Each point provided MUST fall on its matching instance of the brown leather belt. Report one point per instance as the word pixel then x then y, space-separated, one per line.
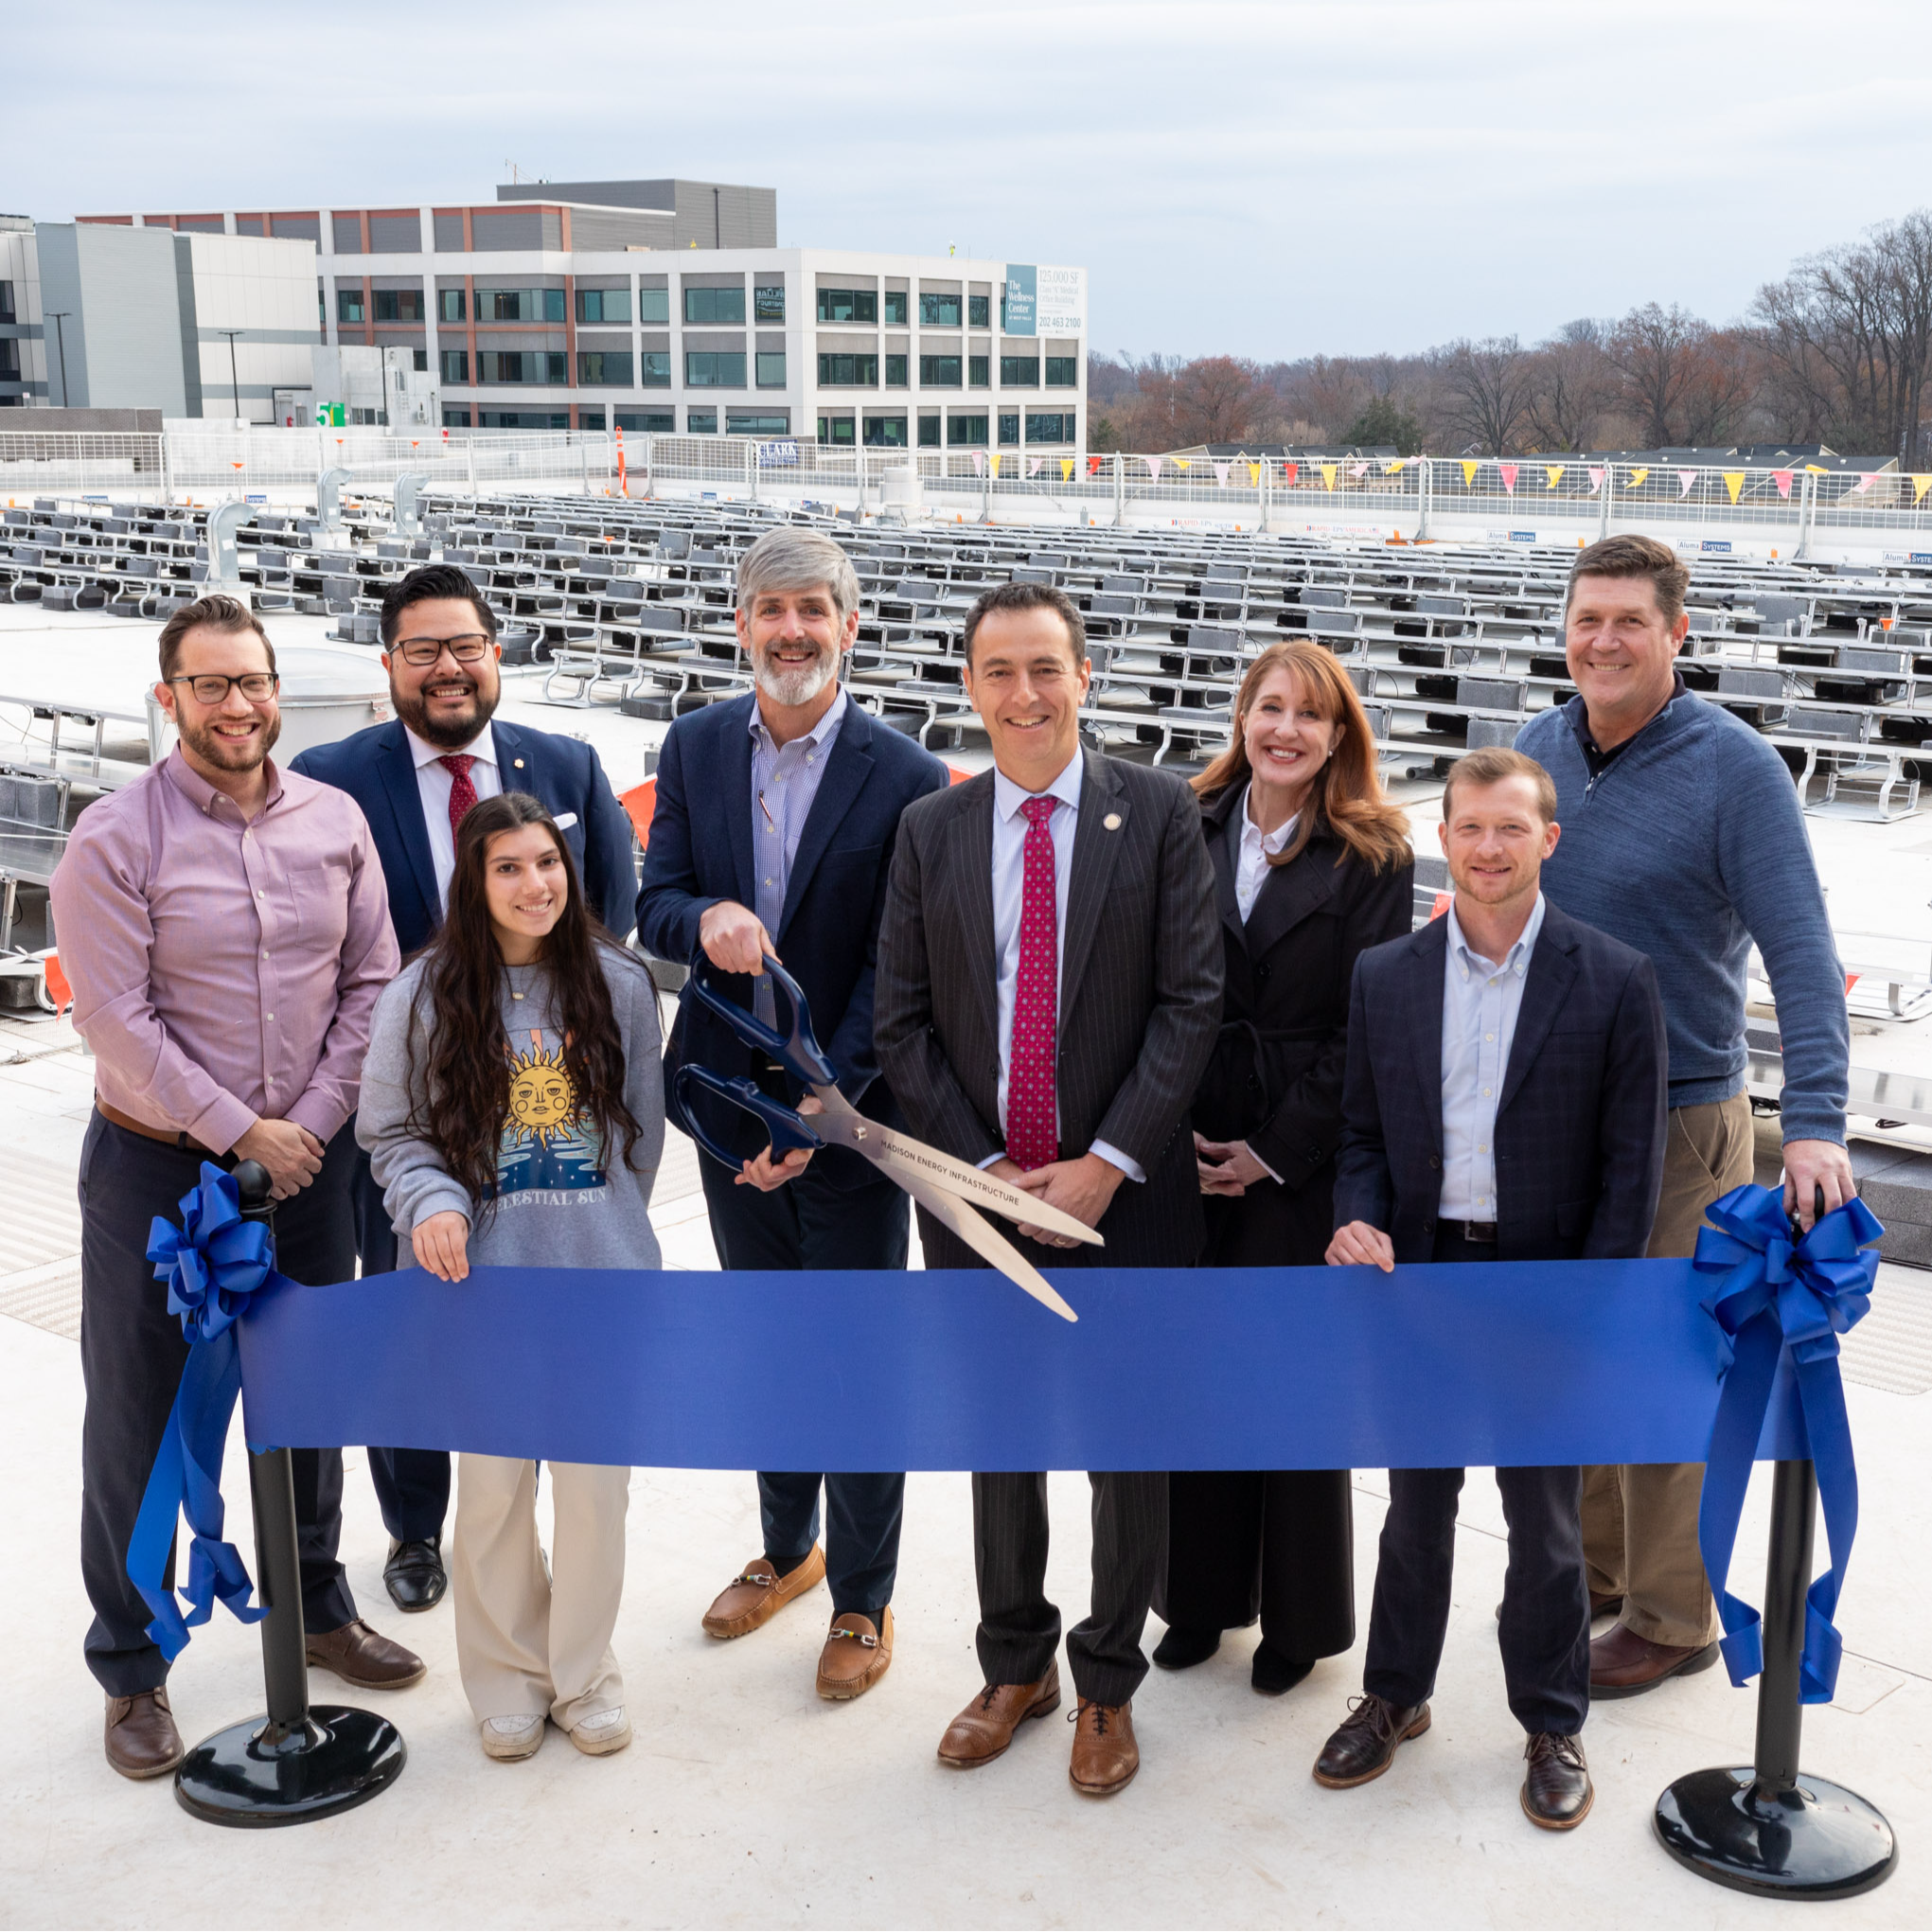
pixel 184 1142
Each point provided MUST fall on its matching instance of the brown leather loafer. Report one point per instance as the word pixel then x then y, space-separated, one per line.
pixel 757 1593
pixel 142 1741
pixel 1558 1793
pixel 856 1654
pixel 1363 1745
pixel 1624 1664
pixel 983 1729
pixel 358 1656
pixel 1105 1754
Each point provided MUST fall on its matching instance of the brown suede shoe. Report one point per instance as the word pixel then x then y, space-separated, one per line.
pixel 358 1656
pixel 983 1729
pixel 856 1654
pixel 757 1593
pixel 1105 1754
pixel 142 1741
pixel 1558 1793
pixel 1363 1745
pixel 1624 1664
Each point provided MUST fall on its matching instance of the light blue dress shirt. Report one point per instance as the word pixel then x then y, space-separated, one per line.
pixel 1480 1001
pixel 785 780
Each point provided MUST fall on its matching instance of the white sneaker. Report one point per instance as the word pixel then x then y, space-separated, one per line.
pixel 601 1732
pixel 507 1738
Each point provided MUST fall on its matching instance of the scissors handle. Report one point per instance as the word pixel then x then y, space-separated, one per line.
pixel 788 1132
pixel 799 1053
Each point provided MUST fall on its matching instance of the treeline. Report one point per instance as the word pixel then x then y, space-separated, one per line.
pixel 1837 353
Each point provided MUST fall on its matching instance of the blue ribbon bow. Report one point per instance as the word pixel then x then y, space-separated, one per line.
pixel 213 1264
pixel 1778 1294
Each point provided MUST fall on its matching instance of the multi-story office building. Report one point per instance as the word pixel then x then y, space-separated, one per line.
pixel 666 306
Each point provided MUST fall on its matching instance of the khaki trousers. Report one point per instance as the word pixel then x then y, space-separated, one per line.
pixel 1639 1522
pixel 531 1643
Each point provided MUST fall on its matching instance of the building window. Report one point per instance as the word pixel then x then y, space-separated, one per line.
pixel 1009 430
pixel 895 372
pixel 555 367
pixel 653 305
pixel 848 305
pixel 928 433
pixel 770 368
pixel 977 368
pixel 603 305
pixel 363 417
pixel 768 302
pixel 1020 372
pixel 455 418
pixel 603 368
pixel 519 305
pixel 939 372
pixel 523 366
pixel 9 361
pixel 705 370
pixel 652 421
pixel 969 432
pixel 885 433
pixel 455 366
pixel 450 303
pixel 419 360
pixel 398 305
pixel 848 372
pixel 895 308
pixel 938 311
pixel 700 422
pixel 500 365
pixel 743 423
pixel 524 418
pixel 655 372
pixel 1051 428
pixel 7 313
pixel 836 431
pixel 977 312
pixel 714 304
pixel 1063 372
pixel 348 305
pixel 322 310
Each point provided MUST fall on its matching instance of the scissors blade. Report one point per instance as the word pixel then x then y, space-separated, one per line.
pixel 907 1160
pixel 988 1243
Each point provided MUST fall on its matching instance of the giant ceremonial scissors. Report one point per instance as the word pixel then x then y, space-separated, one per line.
pixel 944 1186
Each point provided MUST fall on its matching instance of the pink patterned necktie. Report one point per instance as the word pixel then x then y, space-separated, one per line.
pixel 462 793
pixel 1032 1134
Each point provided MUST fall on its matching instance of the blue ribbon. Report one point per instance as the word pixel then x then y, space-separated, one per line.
pixel 1779 1297
pixel 213 1264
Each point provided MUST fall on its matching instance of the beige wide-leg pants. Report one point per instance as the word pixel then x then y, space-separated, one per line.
pixel 1639 1522
pixel 528 1645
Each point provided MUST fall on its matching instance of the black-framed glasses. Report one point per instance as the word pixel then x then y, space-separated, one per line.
pixel 423 652
pixel 210 688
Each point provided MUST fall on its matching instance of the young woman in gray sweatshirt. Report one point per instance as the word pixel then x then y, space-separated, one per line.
pixel 512 1103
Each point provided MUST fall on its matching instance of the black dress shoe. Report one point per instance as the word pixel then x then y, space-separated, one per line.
pixel 1363 1747
pixel 415 1576
pixel 1180 1648
pixel 1558 1793
pixel 1272 1672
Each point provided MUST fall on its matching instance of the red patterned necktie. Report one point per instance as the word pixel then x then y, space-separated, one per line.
pixel 462 793
pixel 1032 1134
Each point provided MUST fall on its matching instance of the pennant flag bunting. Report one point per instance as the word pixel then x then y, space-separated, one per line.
pixel 1783 479
pixel 1920 486
pixel 1067 469
pixel 1469 471
pixel 1596 478
pixel 1221 470
pixel 1153 464
pixel 1093 464
pixel 1553 475
pixel 1638 478
pixel 1733 481
pixel 979 464
pixel 1395 466
pixel 1033 464
pixel 1254 475
pixel 1328 470
pixel 994 461
pixel 1183 462
pixel 1357 471
pixel 1863 484
pixel 1686 482
pixel 1508 472
pixel 1290 471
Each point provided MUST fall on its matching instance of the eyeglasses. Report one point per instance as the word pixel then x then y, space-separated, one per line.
pixel 210 689
pixel 423 652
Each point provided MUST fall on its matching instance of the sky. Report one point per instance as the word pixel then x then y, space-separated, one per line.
pixel 1263 179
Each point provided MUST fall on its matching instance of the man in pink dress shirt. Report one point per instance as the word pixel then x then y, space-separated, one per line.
pixel 224 928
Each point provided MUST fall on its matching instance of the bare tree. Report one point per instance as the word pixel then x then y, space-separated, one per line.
pixel 1574 386
pixel 1653 349
pixel 1487 388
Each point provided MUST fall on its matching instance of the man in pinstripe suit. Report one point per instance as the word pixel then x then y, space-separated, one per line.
pixel 1048 991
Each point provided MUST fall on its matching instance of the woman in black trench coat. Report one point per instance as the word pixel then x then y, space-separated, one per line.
pixel 1313 865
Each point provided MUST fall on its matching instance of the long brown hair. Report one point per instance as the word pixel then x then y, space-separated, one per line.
pixel 466 1092
pixel 1347 794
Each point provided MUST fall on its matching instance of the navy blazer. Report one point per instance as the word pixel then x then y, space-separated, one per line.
pixel 376 768
pixel 699 852
pixel 1579 1129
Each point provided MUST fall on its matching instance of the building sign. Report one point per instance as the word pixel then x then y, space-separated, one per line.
pixel 777 455
pixel 1017 299
pixel 1061 306
pixel 1717 546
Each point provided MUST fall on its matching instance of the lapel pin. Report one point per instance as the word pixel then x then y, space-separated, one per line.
pixel 1111 822
pixel 518 763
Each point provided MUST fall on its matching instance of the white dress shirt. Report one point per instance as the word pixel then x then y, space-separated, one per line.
pixel 785 781
pixel 1009 880
pixel 433 784
pixel 1256 848
pixel 1482 998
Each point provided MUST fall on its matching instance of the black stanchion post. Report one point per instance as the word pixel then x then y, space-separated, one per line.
pixel 294 1764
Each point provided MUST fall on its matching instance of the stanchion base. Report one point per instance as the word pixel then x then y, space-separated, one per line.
pixel 1820 1841
pixel 250 1775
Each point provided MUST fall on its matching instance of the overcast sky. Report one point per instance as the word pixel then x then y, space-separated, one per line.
pixel 1266 180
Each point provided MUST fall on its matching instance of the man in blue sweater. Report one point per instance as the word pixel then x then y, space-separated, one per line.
pixel 1683 837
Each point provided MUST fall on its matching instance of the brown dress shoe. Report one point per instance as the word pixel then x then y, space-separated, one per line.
pixel 856 1654
pixel 1363 1746
pixel 1105 1754
pixel 757 1593
pixel 1558 1793
pixel 983 1729
pixel 358 1656
pixel 1624 1664
pixel 142 1741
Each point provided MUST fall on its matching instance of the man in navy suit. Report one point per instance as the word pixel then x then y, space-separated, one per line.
pixel 772 835
pixel 1504 1100
pixel 415 778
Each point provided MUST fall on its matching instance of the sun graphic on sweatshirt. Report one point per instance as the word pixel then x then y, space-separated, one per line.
pixel 542 1098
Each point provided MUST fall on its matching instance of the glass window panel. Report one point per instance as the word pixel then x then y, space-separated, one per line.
pixel 653 305
pixel 700 422
pixel 741 423
pixel 603 305
pixel 1009 428
pixel 928 433
pixel 837 431
pixel 348 305
pixel 656 421
pixel 1049 428
pixel 939 372
pixel 553 305
pixel 714 304
pixel 656 370
pixel 455 364
pixel 1063 372
pixel 555 365
pixel 967 432
pixel 938 311
pixel 450 303
pixel 978 376
pixel 895 372
pixel 705 370
pixel 1020 372
pixel 421 361
pixel 604 366
pixel 848 372
pixel 770 368
pixel 455 418
pixel 768 302
pixel 895 308
pixel 977 312
pixel 885 433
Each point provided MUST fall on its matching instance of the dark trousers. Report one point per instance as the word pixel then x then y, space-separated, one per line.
pixel 809 1224
pixel 411 1486
pixel 1545 1631
pixel 131 1355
